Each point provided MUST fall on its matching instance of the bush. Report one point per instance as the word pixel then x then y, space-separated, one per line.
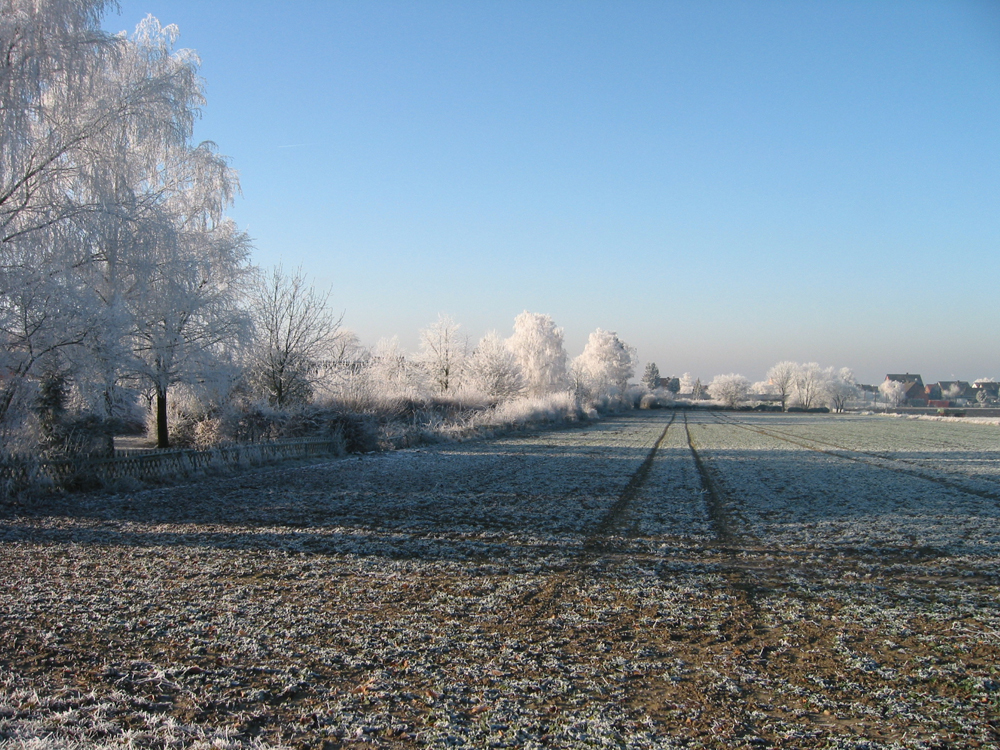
pixel 650 401
pixel 261 423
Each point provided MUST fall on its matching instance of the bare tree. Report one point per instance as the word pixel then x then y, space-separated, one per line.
pixel 730 389
pixel 811 384
pixel 189 312
pixel 841 389
pixel 782 379
pixel 443 353
pixel 839 393
pixel 295 332
pixel 493 369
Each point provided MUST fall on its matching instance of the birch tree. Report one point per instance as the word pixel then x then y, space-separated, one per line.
pixel 538 346
pixel 605 365
pixel 104 206
pixel 782 379
pixel 494 369
pixel 442 354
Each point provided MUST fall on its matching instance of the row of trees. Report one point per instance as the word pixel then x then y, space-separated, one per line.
pixel 793 384
pixel 117 262
pixel 808 385
pixel 123 281
pixel 532 362
pixel 121 276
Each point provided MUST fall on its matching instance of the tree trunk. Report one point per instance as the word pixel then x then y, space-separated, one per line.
pixel 109 435
pixel 162 437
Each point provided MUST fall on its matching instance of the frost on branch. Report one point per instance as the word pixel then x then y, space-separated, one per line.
pixel 116 257
pixel 651 376
pixel 538 346
pixel 604 367
pixel 295 335
pixel 442 354
pixel 493 369
pixel 730 389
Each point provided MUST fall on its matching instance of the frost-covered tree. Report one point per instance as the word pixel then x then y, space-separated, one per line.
pixel 839 392
pixel 102 197
pixel 605 365
pixel 442 354
pixel 189 313
pixel 294 332
pixel 388 371
pixel 893 391
pixel 697 390
pixel 538 346
pixel 810 384
pixel 651 376
pixel 730 389
pixel 53 62
pixel 493 369
pixel 782 379
pixel 50 54
pixel 686 383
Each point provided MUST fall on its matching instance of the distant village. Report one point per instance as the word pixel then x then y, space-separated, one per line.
pixel 944 394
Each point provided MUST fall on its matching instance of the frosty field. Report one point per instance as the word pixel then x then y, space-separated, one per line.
pixel 654 580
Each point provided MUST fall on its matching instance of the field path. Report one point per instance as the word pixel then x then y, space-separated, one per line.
pixel 658 579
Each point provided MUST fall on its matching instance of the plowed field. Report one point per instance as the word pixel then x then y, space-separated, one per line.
pixel 655 580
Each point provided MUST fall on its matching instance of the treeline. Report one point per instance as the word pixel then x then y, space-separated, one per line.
pixel 128 300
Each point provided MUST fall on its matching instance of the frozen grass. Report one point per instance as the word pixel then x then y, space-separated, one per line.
pixel 556 408
pixel 566 588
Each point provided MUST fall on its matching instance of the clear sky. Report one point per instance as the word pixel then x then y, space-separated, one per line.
pixel 725 184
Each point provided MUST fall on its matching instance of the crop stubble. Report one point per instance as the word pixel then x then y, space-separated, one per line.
pixel 703 580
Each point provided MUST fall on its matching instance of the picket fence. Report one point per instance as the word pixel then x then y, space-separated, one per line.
pixel 145 465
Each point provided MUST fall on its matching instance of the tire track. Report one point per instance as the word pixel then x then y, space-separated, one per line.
pixel 862 457
pixel 594 546
pixel 631 491
pixel 716 504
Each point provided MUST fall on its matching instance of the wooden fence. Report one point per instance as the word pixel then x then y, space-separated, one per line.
pixel 21 472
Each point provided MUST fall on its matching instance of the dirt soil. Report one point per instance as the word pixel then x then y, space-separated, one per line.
pixel 600 587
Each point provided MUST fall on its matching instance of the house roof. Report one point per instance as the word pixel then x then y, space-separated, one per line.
pixel 963 385
pixel 905 378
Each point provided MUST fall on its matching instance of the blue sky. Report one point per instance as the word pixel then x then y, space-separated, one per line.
pixel 725 184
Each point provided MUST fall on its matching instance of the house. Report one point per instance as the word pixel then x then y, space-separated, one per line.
pixel 953 390
pixel 914 393
pixel 671 384
pixel 906 378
